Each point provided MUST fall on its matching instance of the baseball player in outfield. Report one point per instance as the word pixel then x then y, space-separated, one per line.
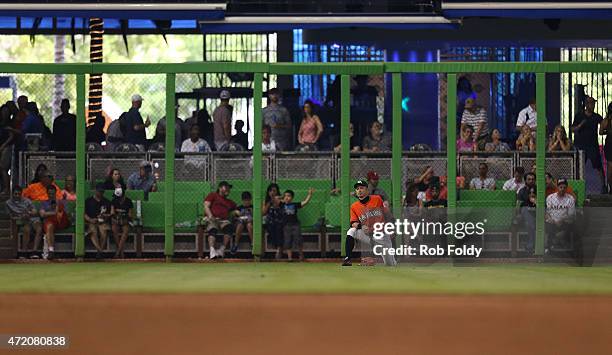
pixel 364 214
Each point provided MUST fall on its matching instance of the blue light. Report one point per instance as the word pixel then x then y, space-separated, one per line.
pixel 405 102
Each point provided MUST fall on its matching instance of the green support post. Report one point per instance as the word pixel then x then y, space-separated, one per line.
pixel 79 249
pixel 451 141
pixel 169 166
pixel 257 167
pixel 345 156
pixel 540 162
pixel 396 157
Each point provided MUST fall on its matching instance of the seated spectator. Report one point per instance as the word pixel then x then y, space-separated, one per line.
pixel 114 180
pixel 412 205
pixel 25 215
pixel 373 188
pixel 311 127
pixel 40 172
pixel 377 140
pixel 240 137
pixel 95 132
pixel 55 218
pixel 267 144
pixel 292 236
pixel 559 142
pixel 516 183
pixel 218 210
pixel 244 221
pixel 39 191
pixel 195 144
pixel 143 179
pixel 560 213
pixel 482 182
pixel 69 192
pixel 525 141
pixel 97 212
pixel 122 212
pixel 424 181
pixel 465 143
pixel 443 190
pixel 496 145
pixel 64 129
pixel 436 201
pixel 526 200
pixel 551 186
pixel 354 143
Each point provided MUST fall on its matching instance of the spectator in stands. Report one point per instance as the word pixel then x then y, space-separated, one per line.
pixel 114 133
pixel 143 179
pixel 69 192
pixel 195 144
pixel 38 191
pixel 160 130
pixel 268 145
pixel 274 223
pixel 122 212
pixel 277 117
pixel 55 218
pixel 240 137
pixel 222 120
pixel 25 215
pixel 517 182
pixel 496 144
pixel 354 142
pixel 135 132
pixel 559 141
pixel 114 180
pixel 436 201
pixel 585 137
pixel 377 140
pixel 7 139
pixel 292 236
pixel 412 204
pixel 204 121
pixel 373 188
pixel 33 125
pixel 97 213
pixel 64 129
pixel 442 187
pixel 526 200
pixel 466 143
pixel 606 129
pixel 424 181
pixel 528 117
pixel 311 127
pixel 551 186
pixel 244 221
pixel 482 182
pixel 560 213
pixel 40 172
pixel 20 116
pixel 476 117
pixel 95 132
pixel 526 141
pixel 218 210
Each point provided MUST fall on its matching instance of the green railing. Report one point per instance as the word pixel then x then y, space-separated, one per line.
pixel 345 70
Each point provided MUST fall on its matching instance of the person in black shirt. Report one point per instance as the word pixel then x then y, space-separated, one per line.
pixel 585 137
pixel 114 180
pixel 426 179
pixel 122 210
pixel 245 219
pixel 436 201
pixel 291 231
pixel 240 137
pixel 97 213
pixel 64 129
pixel 526 200
pixel 135 126
pixel 95 132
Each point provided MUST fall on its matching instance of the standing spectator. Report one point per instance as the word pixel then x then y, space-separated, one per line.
pixel 122 212
pixel 466 143
pixel 377 140
pixel 95 132
pixel 32 125
pixel 7 139
pixel 134 126
pixel 277 117
pixel 373 188
pixel 292 236
pixel 585 137
pixel 482 182
pixel 559 142
pixel 55 218
pixel 64 129
pixel 354 142
pixel 160 130
pixel 516 183
pixel 476 117
pixel 526 142
pixel 311 127
pixel 218 209
pixel 97 212
pixel 240 137
pixel 195 144
pixel 496 145
pixel 244 221
pixel 114 133
pixel 606 129
pixel 526 200
pixel 38 191
pixel 25 215
pixel 560 211
pixel 69 191
pixel 114 180
pixel 143 179
pixel 274 223
pixel 528 117
pixel 20 116
pixel 222 121
pixel 268 145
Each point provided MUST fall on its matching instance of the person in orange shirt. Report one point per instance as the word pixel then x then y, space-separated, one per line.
pixel 551 186
pixel 38 191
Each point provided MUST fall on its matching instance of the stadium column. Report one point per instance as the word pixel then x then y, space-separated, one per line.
pixel 396 158
pixel 451 141
pixel 257 166
pixel 79 248
pixel 169 166
pixel 345 155
pixel 540 162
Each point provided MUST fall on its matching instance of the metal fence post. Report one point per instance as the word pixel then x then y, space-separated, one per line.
pixel 169 167
pixel 79 249
pixel 540 162
pixel 451 140
pixel 396 157
pixel 345 112
pixel 257 167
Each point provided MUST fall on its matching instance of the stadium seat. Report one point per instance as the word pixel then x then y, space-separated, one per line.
pixel 152 216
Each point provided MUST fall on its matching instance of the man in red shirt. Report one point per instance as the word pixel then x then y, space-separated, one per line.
pixel 218 211
pixel 365 213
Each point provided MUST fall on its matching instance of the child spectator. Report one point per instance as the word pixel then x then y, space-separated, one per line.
pixel 122 212
pixel 291 231
pixel 25 215
pixel 274 223
pixel 69 193
pixel 53 212
pixel 245 220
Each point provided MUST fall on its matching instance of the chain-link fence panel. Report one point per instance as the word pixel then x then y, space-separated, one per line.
pixel 187 166
pixel 101 165
pixel 362 164
pixel 414 165
pixel 558 166
pixel 304 165
pixel 500 165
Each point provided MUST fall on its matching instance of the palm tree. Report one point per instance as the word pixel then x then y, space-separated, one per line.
pixel 96 35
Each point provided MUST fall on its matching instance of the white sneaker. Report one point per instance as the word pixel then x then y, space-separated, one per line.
pixel 213 253
pixel 221 252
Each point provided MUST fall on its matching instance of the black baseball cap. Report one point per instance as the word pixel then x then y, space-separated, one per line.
pixel 225 183
pixel 100 187
pixel 562 181
pixel 360 182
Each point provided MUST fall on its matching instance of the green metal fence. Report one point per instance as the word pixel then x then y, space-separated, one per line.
pixel 345 70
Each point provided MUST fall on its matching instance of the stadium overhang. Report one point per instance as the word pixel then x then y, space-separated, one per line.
pixel 528 9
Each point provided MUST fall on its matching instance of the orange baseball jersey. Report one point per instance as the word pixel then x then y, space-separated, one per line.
pixel 369 212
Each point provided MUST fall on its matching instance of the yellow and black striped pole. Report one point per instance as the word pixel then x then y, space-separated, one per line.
pixel 96 34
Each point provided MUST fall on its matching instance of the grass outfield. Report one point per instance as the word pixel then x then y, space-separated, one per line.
pixel 301 278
